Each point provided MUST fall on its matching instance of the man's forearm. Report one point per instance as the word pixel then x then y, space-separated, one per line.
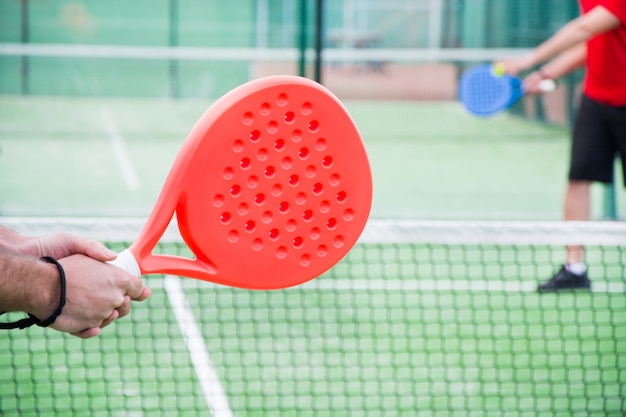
pixel 574 33
pixel 27 284
pixel 566 62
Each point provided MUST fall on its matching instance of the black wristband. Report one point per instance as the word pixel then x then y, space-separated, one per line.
pixel 27 322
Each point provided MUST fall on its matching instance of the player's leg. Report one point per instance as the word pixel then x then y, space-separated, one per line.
pixel 577 207
pixel 592 156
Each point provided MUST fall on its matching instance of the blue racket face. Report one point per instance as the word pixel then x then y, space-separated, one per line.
pixel 484 94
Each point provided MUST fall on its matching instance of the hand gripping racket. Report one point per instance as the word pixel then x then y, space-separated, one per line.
pixel 484 93
pixel 271 188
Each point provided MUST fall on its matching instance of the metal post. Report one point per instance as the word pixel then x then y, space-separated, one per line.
pixel 25 86
pixel 610 201
pixel 319 39
pixel 302 40
pixel 173 42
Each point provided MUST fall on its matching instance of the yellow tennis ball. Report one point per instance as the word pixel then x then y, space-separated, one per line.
pixel 499 69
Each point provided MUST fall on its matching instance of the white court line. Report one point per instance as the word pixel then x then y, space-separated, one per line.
pixel 207 375
pixel 420 285
pixel 121 154
pixel 447 285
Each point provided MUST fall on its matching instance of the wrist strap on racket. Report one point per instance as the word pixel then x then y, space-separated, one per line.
pixel 31 320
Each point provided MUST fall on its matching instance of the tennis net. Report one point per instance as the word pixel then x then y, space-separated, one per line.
pixel 422 318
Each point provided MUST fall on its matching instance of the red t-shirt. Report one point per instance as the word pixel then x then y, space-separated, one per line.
pixel 605 79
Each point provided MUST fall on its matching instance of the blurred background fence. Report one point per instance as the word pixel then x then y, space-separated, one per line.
pixel 382 49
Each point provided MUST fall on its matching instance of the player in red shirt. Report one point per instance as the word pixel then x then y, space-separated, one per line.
pixel 597 40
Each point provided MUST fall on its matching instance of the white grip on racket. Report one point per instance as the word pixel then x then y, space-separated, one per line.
pixel 127 262
pixel 547 85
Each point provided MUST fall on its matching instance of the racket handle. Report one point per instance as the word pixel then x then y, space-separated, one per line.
pixel 547 85
pixel 127 262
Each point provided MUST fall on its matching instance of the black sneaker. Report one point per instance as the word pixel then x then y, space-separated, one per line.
pixel 566 280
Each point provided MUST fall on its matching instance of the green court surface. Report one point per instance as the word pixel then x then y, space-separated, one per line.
pixel 330 351
pixel 369 338
pixel 109 157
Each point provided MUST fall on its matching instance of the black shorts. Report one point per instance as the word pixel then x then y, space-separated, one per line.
pixel 599 137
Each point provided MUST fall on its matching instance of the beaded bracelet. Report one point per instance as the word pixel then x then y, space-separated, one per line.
pixel 27 322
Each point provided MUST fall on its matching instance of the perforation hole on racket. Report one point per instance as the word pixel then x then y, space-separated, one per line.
pixel 484 93
pixel 271 188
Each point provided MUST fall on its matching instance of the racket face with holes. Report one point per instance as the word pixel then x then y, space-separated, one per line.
pixel 273 187
pixel 484 94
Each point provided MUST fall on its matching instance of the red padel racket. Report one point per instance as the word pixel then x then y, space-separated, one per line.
pixel 271 188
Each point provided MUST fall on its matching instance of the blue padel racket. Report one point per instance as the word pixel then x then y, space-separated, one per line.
pixel 483 93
